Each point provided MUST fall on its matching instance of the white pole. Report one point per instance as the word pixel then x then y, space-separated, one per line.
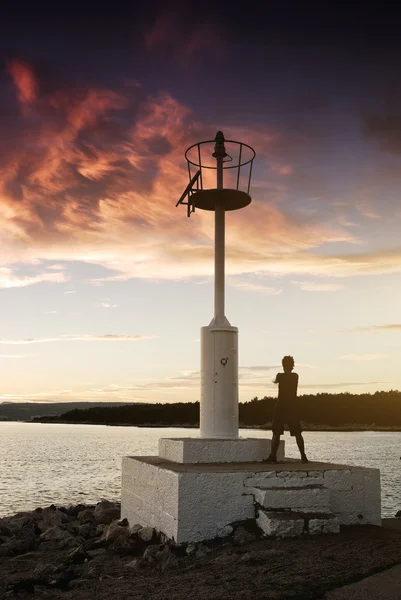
pixel 219 251
pixel 219 341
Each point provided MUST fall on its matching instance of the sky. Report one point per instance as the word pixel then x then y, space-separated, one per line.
pixel 105 284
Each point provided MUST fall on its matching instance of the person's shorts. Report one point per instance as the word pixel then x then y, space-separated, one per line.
pixel 281 418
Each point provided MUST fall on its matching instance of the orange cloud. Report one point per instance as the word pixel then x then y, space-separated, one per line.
pixel 24 80
pixel 94 177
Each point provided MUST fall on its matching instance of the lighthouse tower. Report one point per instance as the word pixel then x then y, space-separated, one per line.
pixel 226 174
pixel 194 489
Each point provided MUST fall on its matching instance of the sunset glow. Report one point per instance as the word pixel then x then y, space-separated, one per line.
pixel 93 251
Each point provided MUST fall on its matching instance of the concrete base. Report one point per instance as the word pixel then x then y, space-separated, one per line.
pixel 201 450
pixel 195 502
pixel 308 498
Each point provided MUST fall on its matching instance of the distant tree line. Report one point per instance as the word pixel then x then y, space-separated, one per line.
pixel 331 410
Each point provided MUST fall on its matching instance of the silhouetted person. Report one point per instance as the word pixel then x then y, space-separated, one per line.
pixel 286 410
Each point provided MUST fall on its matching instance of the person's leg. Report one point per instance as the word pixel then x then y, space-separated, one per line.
pixel 274 447
pixel 301 446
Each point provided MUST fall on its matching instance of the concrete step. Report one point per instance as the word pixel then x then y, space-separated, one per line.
pixel 310 498
pixel 293 524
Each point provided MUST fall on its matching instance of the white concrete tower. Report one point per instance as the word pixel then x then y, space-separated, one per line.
pixel 219 339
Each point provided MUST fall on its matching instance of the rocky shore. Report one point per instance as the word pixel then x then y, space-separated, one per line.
pixel 87 552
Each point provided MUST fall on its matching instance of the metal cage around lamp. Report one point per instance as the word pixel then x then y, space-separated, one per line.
pixel 206 188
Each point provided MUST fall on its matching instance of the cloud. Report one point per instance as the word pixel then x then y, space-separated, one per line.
pixel 9 278
pixel 172 35
pixel 37 396
pixel 13 355
pixel 392 326
pixel 70 292
pixel 25 81
pixel 106 305
pixel 362 356
pixel 81 338
pixel 367 211
pixel 90 173
pixel 385 129
pixel 249 286
pixel 313 286
pixel 386 327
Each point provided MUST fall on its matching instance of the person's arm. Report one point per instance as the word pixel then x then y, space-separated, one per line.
pixel 277 378
pixel 296 382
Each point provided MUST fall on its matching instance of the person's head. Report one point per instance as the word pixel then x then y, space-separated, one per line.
pixel 288 364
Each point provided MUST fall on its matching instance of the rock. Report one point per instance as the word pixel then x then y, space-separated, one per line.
pixel 123 523
pixel 259 557
pixel 58 539
pixel 53 533
pixel 20 522
pixel 146 534
pixel 73 511
pixel 243 536
pixel 167 559
pixel 43 573
pixel 106 512
pixel 136 564
pixel 25 542
pixel 52 517
pixel 113 531
pixel 23 557
pixel 77 556
pixel 94 571
pixel 191 549
pixel 86 516
pixel 123 545
pixel 135 528
pixel 5 550
pixel 152 553
pixel 160 555
pixel 5 530
pixel 71 542
pixel 62 577
pixel 21 585
pixel 98 552
pixel 201 550
pixel 95 544
pixel 77 583
pixel 398 514
pixel 86 531
pixel 100 529
pixel 225 559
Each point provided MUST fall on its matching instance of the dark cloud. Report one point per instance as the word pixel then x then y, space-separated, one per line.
pixel 386 130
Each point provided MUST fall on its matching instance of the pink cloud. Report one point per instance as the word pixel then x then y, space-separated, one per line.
pixel 95 174
pixel 24 80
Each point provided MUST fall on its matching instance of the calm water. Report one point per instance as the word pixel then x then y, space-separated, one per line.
pixel 41 464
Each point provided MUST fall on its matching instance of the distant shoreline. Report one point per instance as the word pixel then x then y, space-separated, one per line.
pixel 306 427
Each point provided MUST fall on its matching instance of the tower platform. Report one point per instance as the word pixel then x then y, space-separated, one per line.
pixel 195 501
